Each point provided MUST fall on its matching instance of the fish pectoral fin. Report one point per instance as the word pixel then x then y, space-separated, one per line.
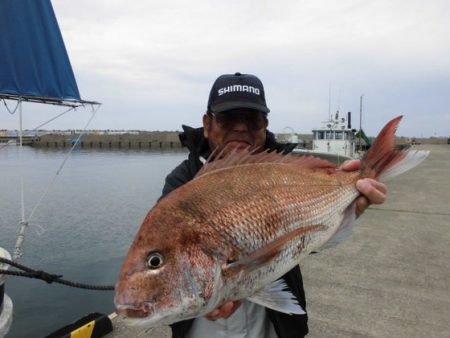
pixel 264 254
pixel 276 297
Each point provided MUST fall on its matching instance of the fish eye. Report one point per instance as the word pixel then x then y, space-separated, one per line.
pixel 155 260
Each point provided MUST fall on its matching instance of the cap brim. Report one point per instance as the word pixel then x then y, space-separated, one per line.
pixel 221 107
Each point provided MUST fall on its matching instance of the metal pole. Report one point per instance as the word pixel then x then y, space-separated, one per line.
pixel 360 121
pixel 329 102
pixel 22 197
pixel 23 224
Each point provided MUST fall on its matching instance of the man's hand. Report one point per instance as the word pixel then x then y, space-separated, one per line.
pixel 224 311
pixel 373 192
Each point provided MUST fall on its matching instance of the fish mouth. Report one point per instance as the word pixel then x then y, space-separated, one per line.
pixel 138 310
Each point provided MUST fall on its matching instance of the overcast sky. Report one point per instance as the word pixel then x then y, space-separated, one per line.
pixel 152 63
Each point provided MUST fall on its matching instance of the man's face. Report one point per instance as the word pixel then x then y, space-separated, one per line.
pixel 238 128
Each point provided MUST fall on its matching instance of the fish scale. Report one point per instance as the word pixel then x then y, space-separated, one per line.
pixel 292 252
pixel 240 220
pixel 244 226
pixel 245 220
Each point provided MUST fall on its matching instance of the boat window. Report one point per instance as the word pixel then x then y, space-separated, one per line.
pixel 328 135
pixel 339 135
pixel 318 135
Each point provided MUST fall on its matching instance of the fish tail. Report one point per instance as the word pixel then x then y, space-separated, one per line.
pixel 383 161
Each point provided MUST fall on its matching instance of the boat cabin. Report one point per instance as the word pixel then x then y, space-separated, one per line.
pixel 336 137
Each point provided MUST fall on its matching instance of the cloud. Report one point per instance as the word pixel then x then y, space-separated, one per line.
pixel 147 60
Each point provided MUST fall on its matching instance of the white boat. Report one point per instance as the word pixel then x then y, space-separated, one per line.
pixel 335 141
pixel 335 137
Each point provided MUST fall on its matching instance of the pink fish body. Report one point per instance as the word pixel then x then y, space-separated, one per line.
pixel 239 225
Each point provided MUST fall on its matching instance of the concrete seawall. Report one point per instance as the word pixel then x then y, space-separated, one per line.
pixel 154 140
pixel 144 140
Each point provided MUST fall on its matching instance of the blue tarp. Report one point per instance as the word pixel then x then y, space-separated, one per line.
pixel 33 58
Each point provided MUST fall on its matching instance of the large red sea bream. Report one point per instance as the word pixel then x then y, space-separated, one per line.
pixel 239 225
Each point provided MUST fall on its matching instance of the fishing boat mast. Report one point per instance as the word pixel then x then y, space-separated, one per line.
pixel 360 122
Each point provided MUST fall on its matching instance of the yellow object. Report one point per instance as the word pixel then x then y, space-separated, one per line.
pixel 84 331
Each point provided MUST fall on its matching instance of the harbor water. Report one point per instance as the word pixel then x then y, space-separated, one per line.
pixel 82 228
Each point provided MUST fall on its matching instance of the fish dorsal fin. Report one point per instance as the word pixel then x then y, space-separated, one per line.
pixel 228 158
pixel 277 296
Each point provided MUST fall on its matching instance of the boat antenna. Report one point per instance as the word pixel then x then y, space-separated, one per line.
pixel 329 101
pixel 339 101
pixel 360 119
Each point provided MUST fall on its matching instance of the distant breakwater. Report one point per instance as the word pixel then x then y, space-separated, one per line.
pixel 159 139
pixel 142 140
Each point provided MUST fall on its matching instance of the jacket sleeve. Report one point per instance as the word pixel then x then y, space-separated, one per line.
pixel 176 178
pixel 181 174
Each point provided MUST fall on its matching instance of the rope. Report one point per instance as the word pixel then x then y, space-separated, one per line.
pixel 49 278
pixel 61 166
pixel 54 118
pixel 12 112
pixel 42 124
pixel 4 145
pixel 18 252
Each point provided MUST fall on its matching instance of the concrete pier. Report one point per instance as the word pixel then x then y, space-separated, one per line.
pixel 142 140
pixel 392 277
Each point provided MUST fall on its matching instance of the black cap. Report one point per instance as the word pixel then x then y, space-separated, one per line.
pixel 233 91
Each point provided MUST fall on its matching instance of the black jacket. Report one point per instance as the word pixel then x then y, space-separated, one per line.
pixel 286 326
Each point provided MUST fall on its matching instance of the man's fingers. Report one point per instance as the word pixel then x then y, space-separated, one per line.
pixel 373 190
pixel 351 165
pixel 229 308
pixel 213 315
pixel 224 311
pixel 361 205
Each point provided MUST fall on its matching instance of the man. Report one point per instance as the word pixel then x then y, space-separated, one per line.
pixel 236 117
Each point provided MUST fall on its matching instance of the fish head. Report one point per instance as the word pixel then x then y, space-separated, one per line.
pixel 165 278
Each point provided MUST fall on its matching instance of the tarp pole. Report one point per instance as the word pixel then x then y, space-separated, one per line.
pixel 23 224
